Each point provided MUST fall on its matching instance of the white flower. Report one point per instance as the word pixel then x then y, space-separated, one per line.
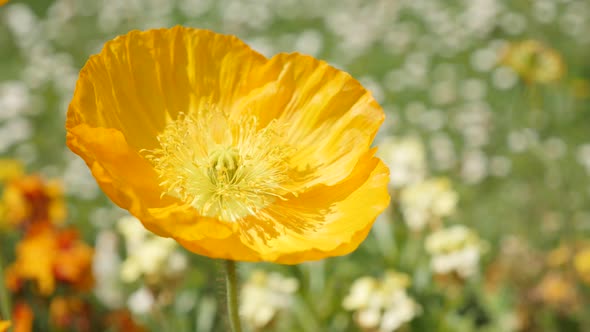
pixel 455 249
pixel 426 201
pixel 264 295
pixel 15 99
pixel 105 266
pixel 583 156
pixel 141 301
pixel 148 255
pixel 474 167
pixel 381 304
pixel 406 159
pixel 464 262
pixel 360 293
pixel 368 317
pixel 177 263
pixel 402 309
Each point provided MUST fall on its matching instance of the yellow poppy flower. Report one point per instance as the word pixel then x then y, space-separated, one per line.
pixel 70 313
pixel 233 155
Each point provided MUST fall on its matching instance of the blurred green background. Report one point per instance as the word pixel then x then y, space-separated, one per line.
pixel 488 126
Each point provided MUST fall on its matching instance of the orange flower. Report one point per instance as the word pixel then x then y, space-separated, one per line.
pixel 233 155
pixel 70 313
pixel 30 199
pixel 557 290
pixel 47 256
pixel 3 2
pixel 22 317
pixel 122 321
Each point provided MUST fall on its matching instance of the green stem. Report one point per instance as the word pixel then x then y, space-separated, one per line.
pixel 231 285
pixel 161 318
pixel 4 295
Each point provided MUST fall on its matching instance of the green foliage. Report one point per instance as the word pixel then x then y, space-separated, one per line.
pixel 515 151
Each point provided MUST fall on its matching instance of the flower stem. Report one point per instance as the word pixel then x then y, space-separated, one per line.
pixel 5 311
pixel 231 285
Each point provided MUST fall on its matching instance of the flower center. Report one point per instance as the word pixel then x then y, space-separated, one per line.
pixel 224 161
pixel 224 169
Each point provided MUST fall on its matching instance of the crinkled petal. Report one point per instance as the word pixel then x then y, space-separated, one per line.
pixel 124 176
pixel 142 80
pixel 344 214
pixel 131 182
pixel 347 211
pixel 127 94
pixel 328 117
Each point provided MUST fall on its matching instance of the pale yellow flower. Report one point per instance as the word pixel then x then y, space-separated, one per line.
pixel 406 158
pixel 582 264
pixel 428 201
pixel 534 61
pixel 456 249
pixel 149 256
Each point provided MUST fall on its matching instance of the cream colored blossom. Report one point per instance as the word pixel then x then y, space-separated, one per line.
pixel 264 295
pixel 427 201
pixel 141 301
pixel 105 268
pixel 406 158
pixel 148 255
pixel 381 305
pixel 456 249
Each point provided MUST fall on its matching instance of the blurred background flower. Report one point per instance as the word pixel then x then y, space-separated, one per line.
pixel 486 136
pixel 381 305
pixel 455 249
pixel 47 256
pixel 29 199
pixel 264 296
pixel 533 61
pixel 427 202
pixel 153 258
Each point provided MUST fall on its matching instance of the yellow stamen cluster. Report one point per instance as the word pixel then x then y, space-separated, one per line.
pixel 225 168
